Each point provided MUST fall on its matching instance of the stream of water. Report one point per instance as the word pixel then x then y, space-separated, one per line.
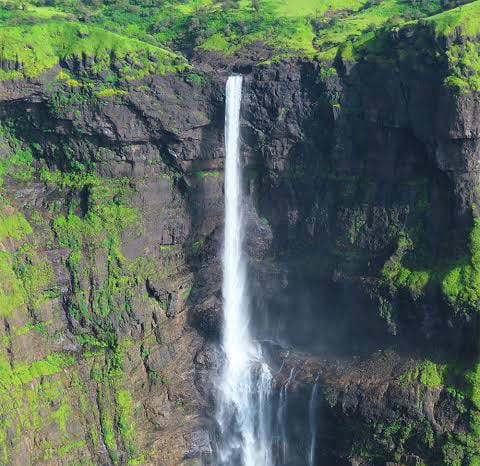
pixel 252 422
pixel 243 412
pixel 312 423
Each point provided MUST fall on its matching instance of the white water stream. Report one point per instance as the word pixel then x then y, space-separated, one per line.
pixel 245 383
pixel 282 416
pixel 246 415
pixel 312 423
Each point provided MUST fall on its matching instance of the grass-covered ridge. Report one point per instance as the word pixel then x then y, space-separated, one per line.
pixel 464 19
pixel 463 56
pixel 308 26
pixel 30 49
pixel 45 32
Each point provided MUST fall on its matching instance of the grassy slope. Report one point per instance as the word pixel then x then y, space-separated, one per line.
pixel 465 18
pixel 40 37
pixel 283 24
pixel 311 27
pixel 53 37
pixel 463 56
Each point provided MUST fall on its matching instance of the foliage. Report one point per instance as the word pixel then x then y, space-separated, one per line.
pixel 26 277
pixel 40 46
pixel 464 67
pixel 13 226
pixel 360 26
pixel 110 92
pixel 461 285
pixel 312 27
pixel 33 394
pixel 124 404
pixel 35 274
pixel 24 373
pixel 465 20
pixel 116 411
pixel 98 269
pixel 17 160
pixel 427 373
pixel 64 102
pixel 206 174
pixel 395 274
pixel 472 378
pixel 11 293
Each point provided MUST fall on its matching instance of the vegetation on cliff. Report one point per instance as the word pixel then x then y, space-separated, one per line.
pixel 85 217
pixel 136 36
pixel 42 389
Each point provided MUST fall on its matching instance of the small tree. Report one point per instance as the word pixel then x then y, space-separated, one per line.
pixel 256 5
pixel 229 4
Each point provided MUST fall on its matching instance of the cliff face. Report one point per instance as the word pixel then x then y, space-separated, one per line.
pixel 367 180
pixel 361 184
pixel 353 164
pixel 120 281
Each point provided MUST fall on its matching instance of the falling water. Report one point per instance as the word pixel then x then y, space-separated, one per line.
pixel 282 415
pixel 245 383
pixel 312 422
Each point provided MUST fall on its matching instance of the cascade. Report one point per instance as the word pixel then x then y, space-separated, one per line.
pixel 244 387
pixel 282 415
pixel 312 423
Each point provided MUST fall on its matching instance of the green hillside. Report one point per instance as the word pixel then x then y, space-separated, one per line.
pixel 37 34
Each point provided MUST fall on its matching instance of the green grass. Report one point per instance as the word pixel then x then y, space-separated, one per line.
pixel 109 92
pixel 17 159
pixel 427 373
pixel 94 242
pixel 397 275
pixel 18 165
pixel 13 225
pixel 360 26
pixel 25 277
pixel 464 19
pixel 24 373
pixel 35 274
pixel 34 394
pixel 43 45
pixel 124 407
pixel 11 292
pixel 12 296
pixel 461 285
pixel 207 174
pixel 463 56
pixel 147 31
pixel 298 27
pixel 314 7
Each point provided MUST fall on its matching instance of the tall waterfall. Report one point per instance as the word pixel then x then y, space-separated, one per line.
pixel 244 387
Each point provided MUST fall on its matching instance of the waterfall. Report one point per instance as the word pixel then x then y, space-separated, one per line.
pixel 313 424
pixel 282 415
pixel 244 388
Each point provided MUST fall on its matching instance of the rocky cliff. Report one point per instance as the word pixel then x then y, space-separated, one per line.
pixel 362 179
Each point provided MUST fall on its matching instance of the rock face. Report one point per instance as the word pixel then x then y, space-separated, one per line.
pixel 341 183
pixel 345 172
